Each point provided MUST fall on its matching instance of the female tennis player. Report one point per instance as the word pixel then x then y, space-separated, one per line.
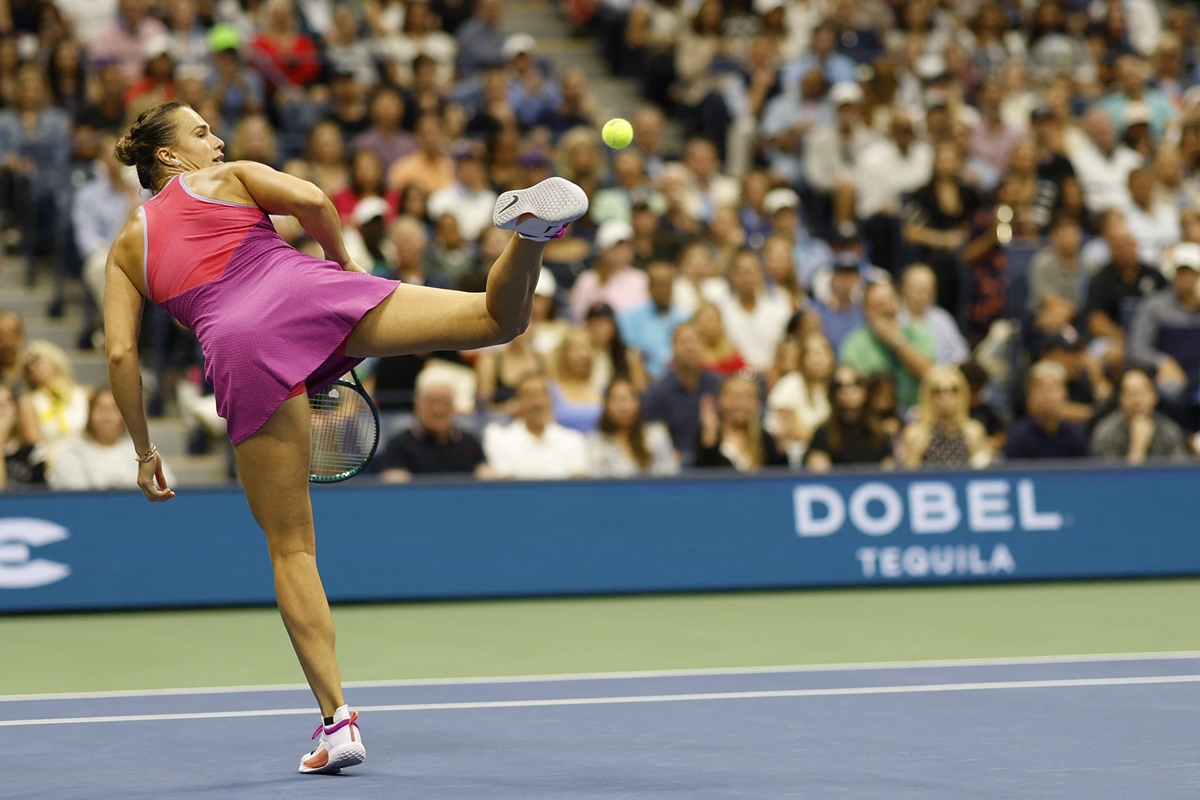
pixel 275 324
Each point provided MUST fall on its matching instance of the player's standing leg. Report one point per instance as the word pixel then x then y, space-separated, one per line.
pixel 273 465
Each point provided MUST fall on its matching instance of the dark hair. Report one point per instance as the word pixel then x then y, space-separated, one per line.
pixel 618 352
pixel 154 128
pixel 868 422
pixel 637 433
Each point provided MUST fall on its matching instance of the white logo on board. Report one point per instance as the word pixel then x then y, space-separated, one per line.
pixel 17 569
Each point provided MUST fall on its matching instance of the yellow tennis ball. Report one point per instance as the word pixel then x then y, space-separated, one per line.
pixel 617 133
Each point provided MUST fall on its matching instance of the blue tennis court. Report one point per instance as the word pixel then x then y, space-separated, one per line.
pixel 1077 727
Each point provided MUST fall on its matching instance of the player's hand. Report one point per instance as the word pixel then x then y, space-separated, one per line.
pixel 153 482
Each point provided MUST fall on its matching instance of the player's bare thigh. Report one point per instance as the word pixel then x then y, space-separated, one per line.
pixel 273 466
pixel 417 319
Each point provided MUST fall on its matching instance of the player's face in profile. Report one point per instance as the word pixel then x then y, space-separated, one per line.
pixel 196 146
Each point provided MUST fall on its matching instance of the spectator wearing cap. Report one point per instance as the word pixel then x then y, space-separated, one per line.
pixel 890 169
pixel 371 219
pixel 883 344
pixel 675 398
pixel 1114 293
pixel 534 446
pixel 1153 221
pixel 238 89
pixel 470 199
pixel 125 37
pixel 754 319
pixel 1056 279
pixel 833 151
pixel 1043 433
pixel 1165 335
pixel 787 120
pixel 612 278
pixel 649 327
pixel 1130 89
pixel 429 168
pixel 1102 163
pixel 385 136
pixel 918 291
pixel 433 444
pixel 480 40
pixel 846 249
pixel 1087 389
pixel 1135 431
pixel 530 91
pixel 781 207
pixel 840 311
pixel 823 57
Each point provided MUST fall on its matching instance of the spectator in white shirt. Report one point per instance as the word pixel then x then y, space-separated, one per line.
pixel 1102 163
pixel 1153 221
pixel 533 446
pixel 888 170
pixel 470 199
pixel 918 290
pixel 100 458
pixel 755 321
pixel 832 152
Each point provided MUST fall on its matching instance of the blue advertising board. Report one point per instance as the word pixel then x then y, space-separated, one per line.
pixel 463 540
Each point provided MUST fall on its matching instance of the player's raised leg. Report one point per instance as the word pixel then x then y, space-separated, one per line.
pixel 273 465
pixel 415 319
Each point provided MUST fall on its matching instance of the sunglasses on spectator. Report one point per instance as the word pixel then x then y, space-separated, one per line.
pixel 849 383
pixel 944 390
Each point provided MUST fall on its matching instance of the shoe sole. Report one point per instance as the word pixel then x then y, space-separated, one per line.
pixel 554 202
pixel 346 755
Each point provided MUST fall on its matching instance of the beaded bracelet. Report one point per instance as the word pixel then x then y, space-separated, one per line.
pixel 148 455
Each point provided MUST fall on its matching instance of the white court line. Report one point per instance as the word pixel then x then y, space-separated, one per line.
pixel 600 676
pixel 652 698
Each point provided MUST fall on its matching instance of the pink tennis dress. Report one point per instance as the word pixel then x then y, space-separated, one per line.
pixel 267 316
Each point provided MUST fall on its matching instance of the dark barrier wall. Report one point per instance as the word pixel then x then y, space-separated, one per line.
pixel 114 550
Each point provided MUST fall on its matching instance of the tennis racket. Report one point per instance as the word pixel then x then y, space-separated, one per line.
pixel 345 431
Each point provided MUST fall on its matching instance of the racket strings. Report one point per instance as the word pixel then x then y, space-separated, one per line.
pixel 344 433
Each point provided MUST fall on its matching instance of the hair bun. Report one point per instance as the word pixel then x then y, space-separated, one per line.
pixel 124 151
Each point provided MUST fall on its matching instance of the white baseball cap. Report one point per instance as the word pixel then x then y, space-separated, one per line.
pixel 368 209
pixel 611 233
pixel 778 199
pixel 519 43
pixel 845 92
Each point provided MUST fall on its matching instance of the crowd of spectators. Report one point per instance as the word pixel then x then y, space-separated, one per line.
pixel 893 233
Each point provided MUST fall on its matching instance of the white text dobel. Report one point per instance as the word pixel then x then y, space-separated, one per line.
pixel 925 507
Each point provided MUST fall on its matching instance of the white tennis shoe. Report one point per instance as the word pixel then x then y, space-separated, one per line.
pixel 541 212
pixel 340 745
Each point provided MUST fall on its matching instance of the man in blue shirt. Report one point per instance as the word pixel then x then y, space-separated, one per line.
pixel 1043 433
pixel 649 327
pixel 675 399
